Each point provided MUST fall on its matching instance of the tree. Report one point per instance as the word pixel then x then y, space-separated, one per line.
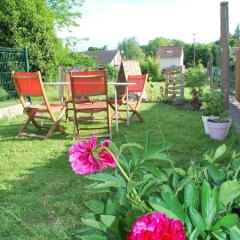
pixel 65 12
pixel 105 47
pixel 130 49
pixel 27 23
pixel 151 66
pixel 153 45
pixel 202 53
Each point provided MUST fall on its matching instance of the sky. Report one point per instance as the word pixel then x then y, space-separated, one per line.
pixel 107 22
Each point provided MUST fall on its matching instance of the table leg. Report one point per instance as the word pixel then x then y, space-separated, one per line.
pixel 116 110
pixel 127 109
pixel 61 92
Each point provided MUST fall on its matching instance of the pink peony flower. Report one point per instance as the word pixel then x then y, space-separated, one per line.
pixel 88 157
pixel 157 226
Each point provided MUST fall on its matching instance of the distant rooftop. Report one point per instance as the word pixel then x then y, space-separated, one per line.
pixel 170 52
pixel 104 56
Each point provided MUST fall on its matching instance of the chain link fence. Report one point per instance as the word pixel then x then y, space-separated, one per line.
pixel 11 59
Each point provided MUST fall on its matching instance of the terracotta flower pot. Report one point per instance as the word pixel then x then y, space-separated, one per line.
pixel 218 131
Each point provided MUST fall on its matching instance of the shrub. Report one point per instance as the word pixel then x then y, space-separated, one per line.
pixel 151 66
pixel 195 78
pixel 111 71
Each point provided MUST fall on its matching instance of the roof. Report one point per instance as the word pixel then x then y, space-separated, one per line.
pixel 104 56
pixel 170 52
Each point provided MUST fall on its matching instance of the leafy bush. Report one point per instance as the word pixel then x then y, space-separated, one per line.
pixel 212 104
pixel 111 71
pixel 151 66
pixel 202 197
pixel 195 78
pixel 3 94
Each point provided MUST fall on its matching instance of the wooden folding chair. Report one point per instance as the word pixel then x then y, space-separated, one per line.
pixel 138 89
pixel 90 84
pixel 29 84
pixel 68 100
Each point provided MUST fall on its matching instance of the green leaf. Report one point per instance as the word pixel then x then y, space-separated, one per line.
pixel 234 233
pixel 227 222
pixel 159 157
pixel 209 204
pixel 219 152
pixel 158 206
pixel 198 221
pixel 215 173
pixel 130 145
pixel 150 185
pixel 113 148
pixel 191 195
pixel 111 207
pixel 91 223
pixel 101 177
pixel 180 171
pixel 96 206
pixel 93 237
pixel 229 191
pixel 146 144
pixel 219 235
pixel 121 196
pixel 149 167
pixel 108 220
pixel 194 235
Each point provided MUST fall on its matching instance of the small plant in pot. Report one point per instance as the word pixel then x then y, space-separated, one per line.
pixel 219 126
pixel 212 106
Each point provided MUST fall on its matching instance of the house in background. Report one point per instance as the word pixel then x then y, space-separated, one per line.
pixel 111 57
pixel 170 56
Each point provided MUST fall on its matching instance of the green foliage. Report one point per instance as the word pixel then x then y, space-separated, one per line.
pixel 68 58
pixel 151 66
pixel 66 12
pixel 105 47
pixel 212 104
pixel 195 78
pixel 3 94
pixel 194 196
pixel 130 49
pixel 112 72
pixel 153 45
pixel 30 24
pixel 202 53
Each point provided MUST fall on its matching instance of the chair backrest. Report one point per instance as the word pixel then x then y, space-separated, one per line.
pixel 89 83
pixel 140 82
pixel 28 83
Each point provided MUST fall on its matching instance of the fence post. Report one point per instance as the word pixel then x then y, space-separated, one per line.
pixel 238 75
pixel 211 71
pixel 26 59
pixel 225 85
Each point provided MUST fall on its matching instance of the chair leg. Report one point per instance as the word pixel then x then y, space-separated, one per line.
pixel 135 112
pixel 24 127
pixel 52 129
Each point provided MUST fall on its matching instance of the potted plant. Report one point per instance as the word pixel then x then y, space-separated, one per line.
pixel 212 106
pixel 219 126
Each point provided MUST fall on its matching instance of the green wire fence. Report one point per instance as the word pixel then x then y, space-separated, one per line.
pixel 11 59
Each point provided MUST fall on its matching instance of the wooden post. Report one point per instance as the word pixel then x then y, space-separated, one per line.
pixel 211 71
pixel 238 75
pixel 225 85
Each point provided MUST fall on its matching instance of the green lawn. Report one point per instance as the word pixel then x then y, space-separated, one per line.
pixel 41 198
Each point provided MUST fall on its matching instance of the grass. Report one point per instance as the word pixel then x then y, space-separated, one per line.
pixel 41 198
